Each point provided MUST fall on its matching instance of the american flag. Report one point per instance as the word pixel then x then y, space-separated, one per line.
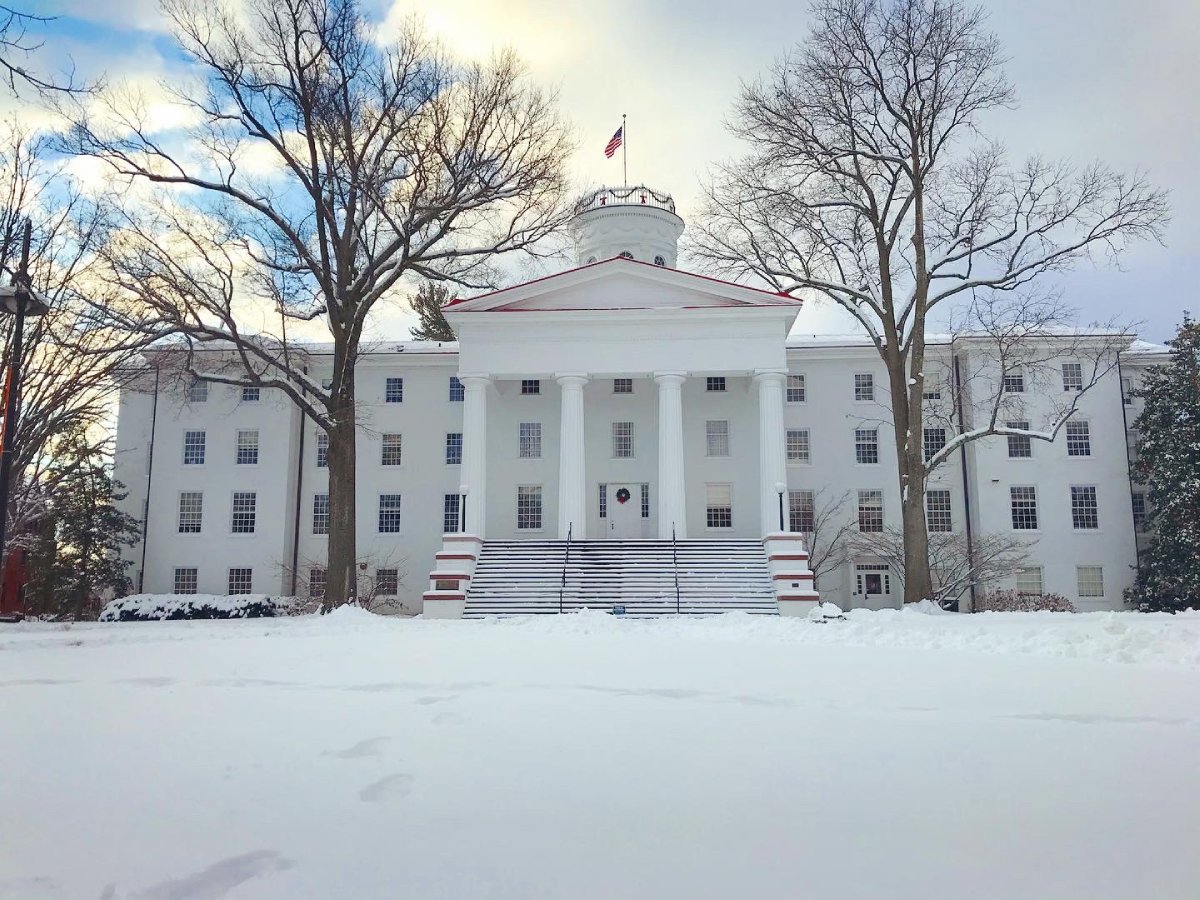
pixel 614 143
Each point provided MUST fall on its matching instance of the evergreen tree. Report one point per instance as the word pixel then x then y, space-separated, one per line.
pixel 427 304
pixel 1169 464
pixel 75 554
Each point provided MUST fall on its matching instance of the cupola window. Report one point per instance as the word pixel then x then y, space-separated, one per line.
pixel 659 261
pixel 625 254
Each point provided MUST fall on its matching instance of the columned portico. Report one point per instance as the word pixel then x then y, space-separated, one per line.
pixel 474 452
pixel 672 506
pixel 572 472
pixel 772 458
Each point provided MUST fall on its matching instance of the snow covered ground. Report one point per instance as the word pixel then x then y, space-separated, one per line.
pixel 350 756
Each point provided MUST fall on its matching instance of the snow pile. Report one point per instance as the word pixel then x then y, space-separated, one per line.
pixel 155 607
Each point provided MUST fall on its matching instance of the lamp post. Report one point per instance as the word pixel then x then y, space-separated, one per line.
pixel 780 488
pixel 462 508
pixel 18 300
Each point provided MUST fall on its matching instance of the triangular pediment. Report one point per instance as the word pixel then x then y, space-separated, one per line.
pixel 620 284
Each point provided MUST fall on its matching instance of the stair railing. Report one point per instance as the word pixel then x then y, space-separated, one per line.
pixel 562 584
pixel 675 568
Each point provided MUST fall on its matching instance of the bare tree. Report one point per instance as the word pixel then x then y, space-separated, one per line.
pixel 955 564
pixel 18 44
pixel 868 184
pixel 72 366
pixel 827 526
pixel 324 167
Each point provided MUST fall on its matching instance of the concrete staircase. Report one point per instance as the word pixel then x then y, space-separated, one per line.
pixel 640 577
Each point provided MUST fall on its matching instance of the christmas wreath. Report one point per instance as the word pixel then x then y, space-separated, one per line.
pixel 623 495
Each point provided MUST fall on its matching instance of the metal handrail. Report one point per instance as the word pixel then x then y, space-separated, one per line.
pixel 675 567
pixel 635 195
pixel 562 585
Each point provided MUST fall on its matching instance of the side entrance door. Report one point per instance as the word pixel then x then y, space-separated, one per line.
pixel 624 511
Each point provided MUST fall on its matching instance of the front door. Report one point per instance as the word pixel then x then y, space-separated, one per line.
pixel 624 519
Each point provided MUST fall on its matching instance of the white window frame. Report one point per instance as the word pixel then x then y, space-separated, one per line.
pixel 451 513
pixel 622 440
pixel 866 444
pixel 939 510
pixel 1019 442
pixel 930 449
pixel 870 507
pixel 191 512
pixel 251 393
pixel 458 393
pixel 1013 382
pixel 718 506
pixel 797 388
pixel 1028 501
pixel 387 581
pixel 391 449
pixel 244 576
pixel 1029 582
pixel 454 459
pixel 186 580
pixel 622 386
pixel 530 509
pixel 322 444
pixel 716 438
pixel 1093 587
pixel 248 501
pixel 393 389
pixel 531 387
pixel 1072 375
pixel 715 384
pixel 192 445
pixel 864 387
pixel 529 440
pixel 391 507
pixel 247 447
pixel 320 513
pixel 798 447
pixel 802 511
pixel 1085 507
pixel 1079 438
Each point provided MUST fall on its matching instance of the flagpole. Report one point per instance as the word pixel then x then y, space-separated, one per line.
pixel 624 150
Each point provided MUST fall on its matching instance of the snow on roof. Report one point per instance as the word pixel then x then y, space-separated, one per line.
pixel 1140 347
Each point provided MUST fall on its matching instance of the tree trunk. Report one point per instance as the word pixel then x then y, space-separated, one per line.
pixel 341 584
pixel 918 583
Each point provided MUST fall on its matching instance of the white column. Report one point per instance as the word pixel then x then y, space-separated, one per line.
pixel 672 508
pixel 572 473
pixel 474 452
pixel 772 455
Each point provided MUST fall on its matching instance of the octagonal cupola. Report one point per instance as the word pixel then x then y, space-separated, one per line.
pixel 636 222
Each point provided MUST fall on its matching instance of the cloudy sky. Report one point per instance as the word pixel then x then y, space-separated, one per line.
pixel 1097 79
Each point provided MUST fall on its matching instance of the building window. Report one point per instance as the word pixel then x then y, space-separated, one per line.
pixel 191 511
pixel 1079 439
pixel 393 391
pixel 451 513
pixel 389 513
pixel 247 448
pixel 186 580
pixel 622 385
pixel 1029 581
pixel 1127 391
pixel 245 512
pixel 531 386
pixel 251 394
pixel 937 511
pixel 622 436
pixel 529 507
pixel 933 440
pixel 798 446
pixel 1020 446
pixel 387 582
pixel 457 392
pixel 1085 511
pixel 454 448
pixel 1023 502
pixel 604 501
pixel 1072 377
pixel 241 581
pixel 715 383
pixel 316 582
pixel 801 512
pixel 320 518
pixel 625 254
pixel 1139 511
pixel 1090 580
pixel 197 391
pixel 660 261
pixel 866 445
pixel 391 450
pixel 931 390
pixel 645 501
pixel 530 440
pixel 797 391
pixel 864 387
pixel 870 510
pixel 322 450
pixel 193 448
pixel 1014 383
pixel 716 437
pixel 718 505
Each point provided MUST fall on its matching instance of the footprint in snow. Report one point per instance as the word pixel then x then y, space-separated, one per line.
pixel 393 787
pixel 369 747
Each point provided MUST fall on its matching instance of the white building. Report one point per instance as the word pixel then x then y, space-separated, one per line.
pixel 641 431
